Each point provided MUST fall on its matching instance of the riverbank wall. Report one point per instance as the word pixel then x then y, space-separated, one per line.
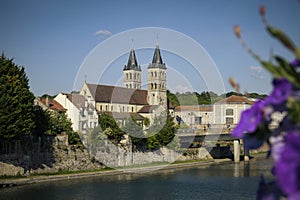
pixel 52 154
pixel 47 154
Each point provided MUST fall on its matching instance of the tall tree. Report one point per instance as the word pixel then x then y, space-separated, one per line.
pixel 16 101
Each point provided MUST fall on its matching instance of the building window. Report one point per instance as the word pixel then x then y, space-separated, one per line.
pixel 229 111
pixel 155 74
pixel 130 76
pixel 151 74
pixel 101 108
pixel 106 107
pixel 198 120
pixel 126 76
pixel 112 108
pixel 229 120
pixel 134 75
pixel 131 109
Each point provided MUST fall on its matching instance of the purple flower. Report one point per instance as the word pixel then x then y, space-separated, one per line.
pixel 249 120
pixel 282 90
pixel 287 167
pixel 295 63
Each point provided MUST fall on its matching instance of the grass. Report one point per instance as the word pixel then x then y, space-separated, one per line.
pixel 143 165
pixel 190 161
pixel 59 172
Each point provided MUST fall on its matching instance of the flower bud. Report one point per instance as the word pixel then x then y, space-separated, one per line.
pixel 237 31
pixel 262 10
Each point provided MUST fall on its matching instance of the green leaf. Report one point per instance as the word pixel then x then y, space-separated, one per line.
pixel 282 37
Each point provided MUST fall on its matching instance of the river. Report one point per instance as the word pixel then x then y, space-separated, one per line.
pixel 218 181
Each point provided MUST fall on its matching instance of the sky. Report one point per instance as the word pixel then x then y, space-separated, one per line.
pixel 62 43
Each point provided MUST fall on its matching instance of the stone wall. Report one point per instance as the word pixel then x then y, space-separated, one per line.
pixel 117 156
pixel 43 155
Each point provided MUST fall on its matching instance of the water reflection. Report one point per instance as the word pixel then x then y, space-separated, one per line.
pixel 219 181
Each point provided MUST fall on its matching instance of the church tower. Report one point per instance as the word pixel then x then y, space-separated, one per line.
pixel 157 80
pixel 132 72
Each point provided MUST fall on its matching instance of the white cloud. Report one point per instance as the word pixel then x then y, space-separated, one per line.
pixel 257 72
pixel 103 32
pixel 183 88
pixel 257 69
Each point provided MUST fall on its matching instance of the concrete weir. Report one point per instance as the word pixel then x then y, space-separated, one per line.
pixel 236 150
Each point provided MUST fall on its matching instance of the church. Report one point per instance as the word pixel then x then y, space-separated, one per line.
pixel 130 100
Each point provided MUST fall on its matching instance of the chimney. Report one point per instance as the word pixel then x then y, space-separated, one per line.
pixel 47 102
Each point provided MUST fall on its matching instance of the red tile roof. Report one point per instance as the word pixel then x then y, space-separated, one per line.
pixel 235 100
pixel 53 105
pixel 195 108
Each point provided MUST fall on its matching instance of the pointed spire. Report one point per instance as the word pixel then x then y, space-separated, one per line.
pixel 157 57
pixel 132 62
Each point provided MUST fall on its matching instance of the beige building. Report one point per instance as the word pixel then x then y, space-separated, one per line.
pixel 80 111
pixel 196 116
pixel 228 110
pixel 130 100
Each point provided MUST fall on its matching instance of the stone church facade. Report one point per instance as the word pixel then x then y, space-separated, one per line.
pixel 130 100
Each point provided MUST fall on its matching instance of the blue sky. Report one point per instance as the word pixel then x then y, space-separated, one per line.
pixel 52 39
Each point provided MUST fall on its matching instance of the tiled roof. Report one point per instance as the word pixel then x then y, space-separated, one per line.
pixel 235 100
pixel 124 115
pixel 53 105
pixel 194 108
pixel 113 94
pixel 77 99
pixel 148 108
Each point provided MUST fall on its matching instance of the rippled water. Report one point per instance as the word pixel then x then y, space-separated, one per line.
pixel 222 181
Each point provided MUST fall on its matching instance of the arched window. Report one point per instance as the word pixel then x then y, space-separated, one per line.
pixel 151 74
pixel 126 85
pixel 126 76
pixel 155 86
pixel 134 76
pixel 130 76
pixel 151 85
pixel 155 74
pixel 138 76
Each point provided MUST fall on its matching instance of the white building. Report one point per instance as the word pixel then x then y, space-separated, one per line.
pixel 80 111
pixel 228 110
pixel 195 116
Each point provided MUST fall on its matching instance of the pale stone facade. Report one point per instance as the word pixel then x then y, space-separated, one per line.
pixel 228 110
pixel 195 116
pixel 80 111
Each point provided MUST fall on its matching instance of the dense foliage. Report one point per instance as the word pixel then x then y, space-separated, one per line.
pixel 160 133
pixel 16 101
pixel 194 98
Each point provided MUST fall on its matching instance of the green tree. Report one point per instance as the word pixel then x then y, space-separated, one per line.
pixel 136 133
pixel 16 101
pixel 105 122
pixel 161 132
pixel 59 123
pixel 41 118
